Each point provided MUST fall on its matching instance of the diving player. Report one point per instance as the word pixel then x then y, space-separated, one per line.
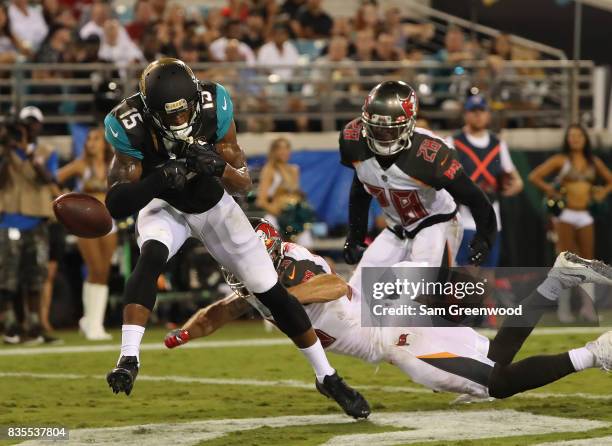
pixel 176 159
pixel 452 359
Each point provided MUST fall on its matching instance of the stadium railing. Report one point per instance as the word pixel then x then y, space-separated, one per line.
pixel 536 93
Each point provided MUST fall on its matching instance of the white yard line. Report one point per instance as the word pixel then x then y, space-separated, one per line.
pixel 282 383
pixel 206 381
pixel 149 346
pixel 257 342
pixel 601 441
pixel 452 426
pixel 553 330
pixel 449 426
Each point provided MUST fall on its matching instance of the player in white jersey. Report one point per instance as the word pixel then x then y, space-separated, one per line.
pixel 453 359
pixel 418 181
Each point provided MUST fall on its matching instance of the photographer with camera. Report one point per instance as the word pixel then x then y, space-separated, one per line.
pixel 27 188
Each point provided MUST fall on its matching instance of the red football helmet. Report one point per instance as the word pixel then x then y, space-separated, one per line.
pixel 271 238
pixel 273 242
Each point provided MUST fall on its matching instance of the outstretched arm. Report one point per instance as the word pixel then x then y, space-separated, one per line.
pixel 209 319
pixel 319 289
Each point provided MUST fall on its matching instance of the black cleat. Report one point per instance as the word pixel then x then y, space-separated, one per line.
pixel 51 340
pixel 351 401
pixel 33 336
pixel 122 377
pixel 13 335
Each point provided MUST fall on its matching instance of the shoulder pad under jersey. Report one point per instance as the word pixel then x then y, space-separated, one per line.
pixel 298 265
pixel 353 145
pixel 430 160
pixel 124 127
pixel 216 101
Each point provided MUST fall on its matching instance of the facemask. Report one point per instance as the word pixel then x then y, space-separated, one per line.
pixel 182 131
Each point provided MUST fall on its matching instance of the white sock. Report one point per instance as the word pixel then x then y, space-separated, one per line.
pixel 98 302
pixel 131 336
pixel 86 304
pixel 318 360
pixel 582 358
pixel 551 288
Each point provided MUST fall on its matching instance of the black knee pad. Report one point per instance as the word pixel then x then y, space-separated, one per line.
pixel 500 385
pixel 288 313
pixel 141 287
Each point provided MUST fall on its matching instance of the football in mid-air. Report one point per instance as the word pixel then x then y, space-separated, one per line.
pixel 82 215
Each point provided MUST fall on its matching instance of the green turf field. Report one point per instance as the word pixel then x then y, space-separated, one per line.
pixel 269 387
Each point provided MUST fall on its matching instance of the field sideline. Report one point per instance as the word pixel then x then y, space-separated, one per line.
pixel 244 386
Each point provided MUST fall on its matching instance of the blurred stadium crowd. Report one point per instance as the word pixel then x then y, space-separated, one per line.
pixel 300 35
pixel 86 31
pixel 41 280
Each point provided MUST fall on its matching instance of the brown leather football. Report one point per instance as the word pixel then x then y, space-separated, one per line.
pixel 82 215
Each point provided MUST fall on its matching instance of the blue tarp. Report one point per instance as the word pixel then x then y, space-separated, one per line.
pixel 79 134
pixel 325 182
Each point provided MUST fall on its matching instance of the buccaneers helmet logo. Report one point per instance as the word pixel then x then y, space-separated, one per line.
pixel 267 234
pixel 409 105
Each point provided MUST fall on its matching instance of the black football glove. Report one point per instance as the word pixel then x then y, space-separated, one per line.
pixel 203 158
pixel 353 251
pixel 174 174
pixel 479 250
